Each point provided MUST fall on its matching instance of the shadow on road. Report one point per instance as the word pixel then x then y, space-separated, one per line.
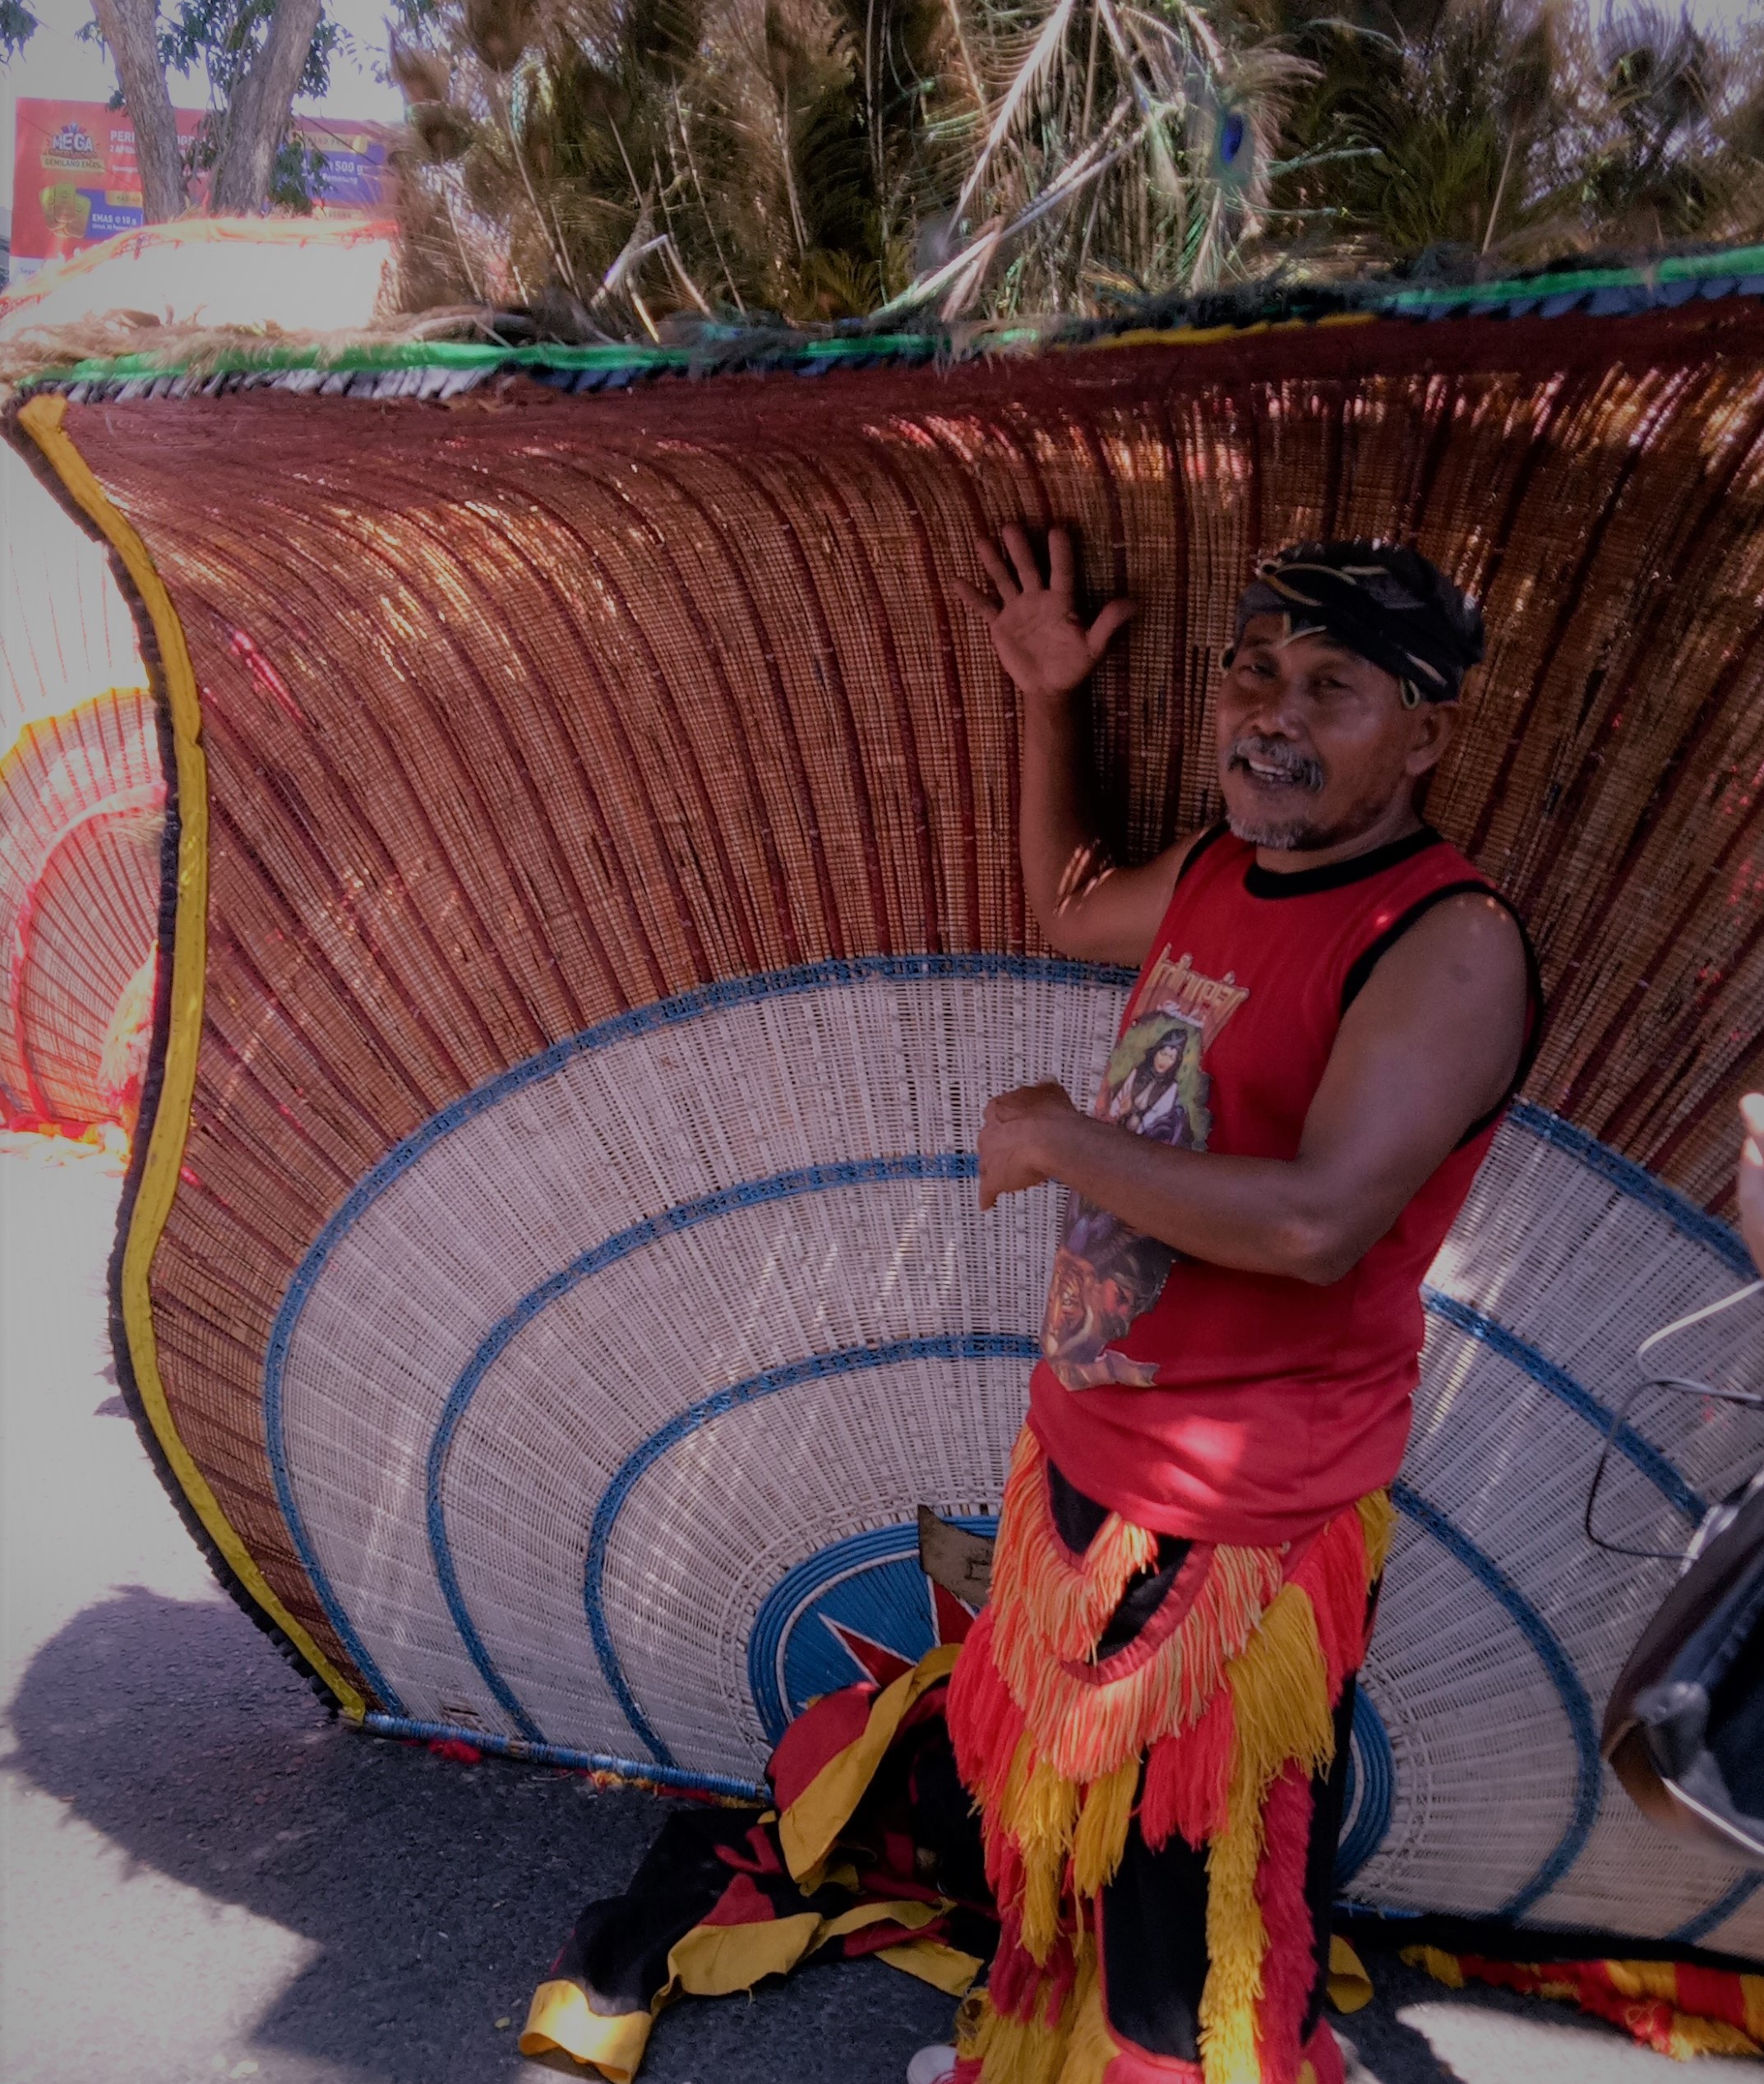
pixel 436 1892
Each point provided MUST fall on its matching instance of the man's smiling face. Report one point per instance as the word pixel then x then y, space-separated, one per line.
pixel 1315 746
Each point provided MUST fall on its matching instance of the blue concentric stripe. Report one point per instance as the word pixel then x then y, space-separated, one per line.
pixel 1655 1465
pixel 1638 1183
pixel 1724 1906
pixel 1620 1172
pixel 1563 1676
pixel 949 1165
pixel 817 1367
pixel 653 1019
pixel 565 1755
pixel 684 1215
pixel 1372 1791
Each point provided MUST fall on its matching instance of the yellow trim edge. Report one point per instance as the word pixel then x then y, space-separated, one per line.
pixel 41 419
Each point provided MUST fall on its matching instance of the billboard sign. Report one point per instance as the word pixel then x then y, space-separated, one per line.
pixel 77 181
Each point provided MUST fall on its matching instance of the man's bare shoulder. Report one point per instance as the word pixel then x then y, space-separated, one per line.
pixel 1467 950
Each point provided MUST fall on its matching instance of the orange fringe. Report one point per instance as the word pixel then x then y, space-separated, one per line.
pixel 1197 1731
pixel 1083 1728
pixel 1067 1599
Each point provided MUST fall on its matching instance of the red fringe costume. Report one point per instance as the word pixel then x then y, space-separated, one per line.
pixel 1210 1726
pixel 1677 2008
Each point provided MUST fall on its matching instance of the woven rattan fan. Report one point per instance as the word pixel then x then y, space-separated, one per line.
pixel 81 794
pixel 81 816
pixel 554 1273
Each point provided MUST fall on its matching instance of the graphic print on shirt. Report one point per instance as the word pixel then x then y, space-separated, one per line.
pixel 1106 1272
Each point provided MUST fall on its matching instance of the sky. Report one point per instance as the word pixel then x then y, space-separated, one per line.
pixel 55 65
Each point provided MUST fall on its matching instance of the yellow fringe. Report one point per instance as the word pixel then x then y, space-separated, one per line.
pixel 1101 1836
pixel 1237 1942
pixel 1067 1798
pixel 1280 1696
pixel 1280 1692
pixel 1377 1517
pixel 1077 2049
pixel 1092 2047
pixel 1048 1614
pixel 1038 1813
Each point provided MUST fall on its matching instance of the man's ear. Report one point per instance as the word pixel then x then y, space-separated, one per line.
pixel 1435 724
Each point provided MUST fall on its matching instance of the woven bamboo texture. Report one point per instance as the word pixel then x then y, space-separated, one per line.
pixel 66 633
pixel 81 813
pixel 614 935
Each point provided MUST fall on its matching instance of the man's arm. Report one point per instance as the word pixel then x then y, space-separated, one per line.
pixel 1088 906
pixel 1430 1046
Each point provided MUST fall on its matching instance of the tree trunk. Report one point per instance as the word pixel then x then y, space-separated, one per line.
pixel 258 115
pixel 130 29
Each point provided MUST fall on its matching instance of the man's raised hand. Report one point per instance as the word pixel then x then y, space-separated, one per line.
pixel 1035 629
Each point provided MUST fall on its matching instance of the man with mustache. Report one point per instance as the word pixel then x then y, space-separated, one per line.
pixel 1153 1711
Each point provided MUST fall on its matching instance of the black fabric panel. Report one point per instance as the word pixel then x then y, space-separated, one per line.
pixel 1078 1520
pixel 1146 1592
pixel 1153 1917
pixel 946 1826
pixel 620 1946
pixel 1328 1798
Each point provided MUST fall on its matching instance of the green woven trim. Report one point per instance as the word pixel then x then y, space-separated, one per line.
pixel 1742 261
pixel 780 351
pixel 474 354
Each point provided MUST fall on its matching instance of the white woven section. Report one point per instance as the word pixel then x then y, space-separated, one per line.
pixel 877 1069
pixel 1488 1767
pixel 719 1520
pixel 716 1521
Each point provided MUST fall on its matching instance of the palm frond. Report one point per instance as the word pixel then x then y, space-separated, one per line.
pixel 828 159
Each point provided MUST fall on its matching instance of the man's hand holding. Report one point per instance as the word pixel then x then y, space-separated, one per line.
pixel 1036 631
pixel 1014 1140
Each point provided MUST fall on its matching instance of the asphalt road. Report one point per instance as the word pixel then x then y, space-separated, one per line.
pixel 203 1875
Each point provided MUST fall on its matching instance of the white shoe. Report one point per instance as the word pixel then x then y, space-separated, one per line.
pixel 931 2066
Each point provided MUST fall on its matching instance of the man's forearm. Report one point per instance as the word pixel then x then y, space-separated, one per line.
pixel 1062 855
pixel 1260 1215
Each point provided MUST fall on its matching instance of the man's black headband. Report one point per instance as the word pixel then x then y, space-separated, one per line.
pixel 1388 604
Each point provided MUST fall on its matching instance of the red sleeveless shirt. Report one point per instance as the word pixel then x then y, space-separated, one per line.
pixel 1195 1399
